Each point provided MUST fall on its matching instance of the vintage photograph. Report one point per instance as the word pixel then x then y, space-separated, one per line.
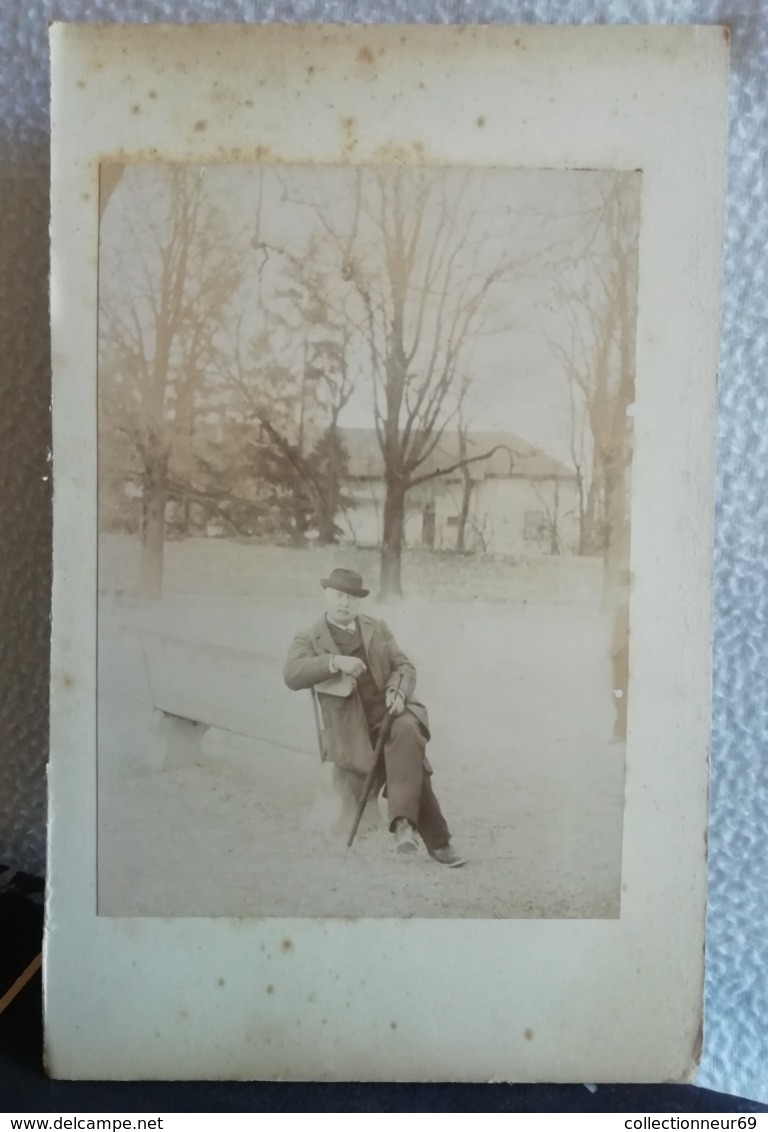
pixel 383 446
pixel 365 446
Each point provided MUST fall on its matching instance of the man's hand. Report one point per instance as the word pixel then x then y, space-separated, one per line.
pixel 352 665
pixel 395 701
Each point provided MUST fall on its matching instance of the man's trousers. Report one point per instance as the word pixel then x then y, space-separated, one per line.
pixel 409 784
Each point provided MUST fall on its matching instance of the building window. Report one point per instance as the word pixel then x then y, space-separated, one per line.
pixel 428 526
pixel 535 526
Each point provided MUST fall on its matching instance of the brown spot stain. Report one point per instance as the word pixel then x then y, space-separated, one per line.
pixel 286 946
pixel 221 983
pixel 136 108
pixel 393 1025
pixel 349 128
pixel 183 1013
pixel 310 70
pixel 365 55
pixel 270 989
pixel 67 680
pixel 248 102
pixel 392 154
pixel 200 125
pixel 528 1034
pixel 152 94
pixel 481 121
pixel 81 83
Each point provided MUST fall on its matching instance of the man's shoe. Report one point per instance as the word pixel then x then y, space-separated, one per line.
pixel 447 855
pixel 405 838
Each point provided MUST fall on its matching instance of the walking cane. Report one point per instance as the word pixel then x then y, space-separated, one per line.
pixel 386 723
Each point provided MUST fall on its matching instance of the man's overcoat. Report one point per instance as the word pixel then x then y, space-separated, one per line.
pixel 345 739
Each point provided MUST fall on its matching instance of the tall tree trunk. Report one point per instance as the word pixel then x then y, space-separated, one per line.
pixel 390 584
pixel 466 494
pixel 299 516
pixel 554 534
pixel 615 573
pixel 466 499
pixel 582 510
pixel 330 501
pixel 327 515
pixel 327 525
pixel 589 523
pixel 154 498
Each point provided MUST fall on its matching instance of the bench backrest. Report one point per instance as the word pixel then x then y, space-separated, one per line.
pixel 236 689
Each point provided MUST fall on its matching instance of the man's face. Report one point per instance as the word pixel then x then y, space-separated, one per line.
pixel 341 607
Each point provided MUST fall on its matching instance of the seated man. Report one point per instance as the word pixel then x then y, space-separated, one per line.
pixel 359 672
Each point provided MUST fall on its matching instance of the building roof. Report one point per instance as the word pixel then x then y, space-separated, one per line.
pixel 512 456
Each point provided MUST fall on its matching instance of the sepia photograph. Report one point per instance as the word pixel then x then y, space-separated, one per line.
pixel 364 467
pixel 383 456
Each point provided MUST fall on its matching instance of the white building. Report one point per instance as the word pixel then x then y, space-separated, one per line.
pixel 522 501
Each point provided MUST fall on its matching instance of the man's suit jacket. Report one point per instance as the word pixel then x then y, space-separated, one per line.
pixel 345 738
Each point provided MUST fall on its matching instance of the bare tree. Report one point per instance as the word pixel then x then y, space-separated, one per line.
pixel 551 513
pixel 293 378
pixel 586 484
pixel 467 481
pixel 423 267
pixel 598 294
pixel 158 320
pixel 328 331
pixel 467 485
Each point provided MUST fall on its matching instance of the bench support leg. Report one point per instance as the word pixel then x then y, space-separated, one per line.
pixel 182 741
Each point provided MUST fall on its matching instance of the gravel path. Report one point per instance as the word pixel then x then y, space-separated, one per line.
pixel 525 768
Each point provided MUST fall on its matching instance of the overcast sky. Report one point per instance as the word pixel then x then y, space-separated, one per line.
pixel 540 218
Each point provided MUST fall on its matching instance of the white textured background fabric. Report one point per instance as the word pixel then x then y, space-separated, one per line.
pixel 736 1039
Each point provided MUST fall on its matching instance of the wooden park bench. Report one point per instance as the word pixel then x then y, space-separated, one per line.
pixel 195 685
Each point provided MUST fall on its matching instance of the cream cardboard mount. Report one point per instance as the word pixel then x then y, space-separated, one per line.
pixel 219 989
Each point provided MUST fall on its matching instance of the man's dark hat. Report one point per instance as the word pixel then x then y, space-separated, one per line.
pixel 347 581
